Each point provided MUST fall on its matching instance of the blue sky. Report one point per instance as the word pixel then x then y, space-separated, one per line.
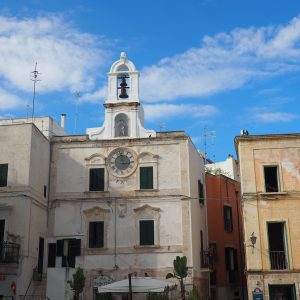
pixel 220 65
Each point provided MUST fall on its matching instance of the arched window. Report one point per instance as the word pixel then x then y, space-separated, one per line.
pixel 121 125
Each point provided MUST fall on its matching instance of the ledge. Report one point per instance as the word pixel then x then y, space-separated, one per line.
pixel 273 195
pixel 147 190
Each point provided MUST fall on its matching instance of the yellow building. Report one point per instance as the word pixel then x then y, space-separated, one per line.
pixel 270 182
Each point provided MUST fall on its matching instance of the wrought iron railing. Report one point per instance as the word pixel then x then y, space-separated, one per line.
pixel 278 260
pixel 9 252
pixel 205 259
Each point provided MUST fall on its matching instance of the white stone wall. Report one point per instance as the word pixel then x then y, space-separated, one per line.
pixel 23 206
pixel 173 204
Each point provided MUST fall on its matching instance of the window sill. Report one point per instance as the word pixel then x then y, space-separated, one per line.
pixel 267 194
pixel 95 251
pixel 147 246
pixel 147 190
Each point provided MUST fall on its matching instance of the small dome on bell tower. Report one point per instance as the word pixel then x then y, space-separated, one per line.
pixel 123 81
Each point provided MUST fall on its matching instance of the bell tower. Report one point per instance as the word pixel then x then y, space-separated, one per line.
pixel 124 116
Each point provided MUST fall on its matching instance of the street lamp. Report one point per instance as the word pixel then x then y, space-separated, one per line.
pixel 253 239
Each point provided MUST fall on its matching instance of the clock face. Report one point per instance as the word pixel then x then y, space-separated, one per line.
pixel 122 162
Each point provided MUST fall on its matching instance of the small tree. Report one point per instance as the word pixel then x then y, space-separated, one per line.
pixel 180 272
pixel 77 284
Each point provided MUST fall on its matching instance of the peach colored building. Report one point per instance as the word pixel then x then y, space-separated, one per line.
pixel 270 183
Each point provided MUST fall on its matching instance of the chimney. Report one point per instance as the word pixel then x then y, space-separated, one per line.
pixel 62 120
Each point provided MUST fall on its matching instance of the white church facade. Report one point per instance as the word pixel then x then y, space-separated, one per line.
pixel 122 199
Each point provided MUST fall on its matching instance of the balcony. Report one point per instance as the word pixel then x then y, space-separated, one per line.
pixel 9 253
pixel 206 261
pixel 278 260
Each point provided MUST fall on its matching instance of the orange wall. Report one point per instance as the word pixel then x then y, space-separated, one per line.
pixel 222 190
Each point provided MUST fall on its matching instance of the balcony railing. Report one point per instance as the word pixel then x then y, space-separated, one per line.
pixel 9 252
pixel 278 260
pixel 205 259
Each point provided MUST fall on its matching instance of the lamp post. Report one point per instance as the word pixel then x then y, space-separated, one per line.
pixel 130 286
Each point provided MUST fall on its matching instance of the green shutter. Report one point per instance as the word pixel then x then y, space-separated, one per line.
pixel 96 234
pixel 147 232
pixel 97 179
pixel 3 174
pixel 146 178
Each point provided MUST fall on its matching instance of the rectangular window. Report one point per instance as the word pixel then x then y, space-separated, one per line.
pixel 146 178
pixel 277 246
pixel 228 218
pixel 271 179
pixel 147 232
pixel 3 174
pixel 282 291
pixel 97 179
pixel 96 234
pixel 68 249
pixel 200 192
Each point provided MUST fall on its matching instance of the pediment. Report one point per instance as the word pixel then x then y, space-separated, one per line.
pixel 146 208
pixel 96 211
pixel 95 159
pixel 147 157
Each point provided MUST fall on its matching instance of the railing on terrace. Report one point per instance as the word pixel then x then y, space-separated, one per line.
pixel 278 260
pixel 205 259
pixel 9 252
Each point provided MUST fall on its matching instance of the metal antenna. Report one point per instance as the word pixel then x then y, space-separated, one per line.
pixel 34 77
pixel 162 126
pixel 77 96
pixel 206 134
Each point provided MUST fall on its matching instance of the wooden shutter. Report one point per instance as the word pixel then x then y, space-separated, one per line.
pixel 97 179
pixel 96 234
pixel 3 174
pixel 146 177
pixel 147 232
pixel 227 258
pixel 59 247
pixel 74 247
pixel 51 255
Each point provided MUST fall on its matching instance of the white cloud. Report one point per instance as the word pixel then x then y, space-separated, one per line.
pixel 9 101
pixel 155 112
pixel 223 62
pixel 270 117
pixel 97 96
pixel 66 57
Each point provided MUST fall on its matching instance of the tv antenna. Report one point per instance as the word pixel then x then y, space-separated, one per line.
pixel 162 126
pixel 206 134
pixel 34 77
pixel 77 95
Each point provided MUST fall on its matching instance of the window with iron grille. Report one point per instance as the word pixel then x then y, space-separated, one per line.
pixel 3 174
pixel 97 179
pixel 228 218
pixel 146 178
pixel 146 232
